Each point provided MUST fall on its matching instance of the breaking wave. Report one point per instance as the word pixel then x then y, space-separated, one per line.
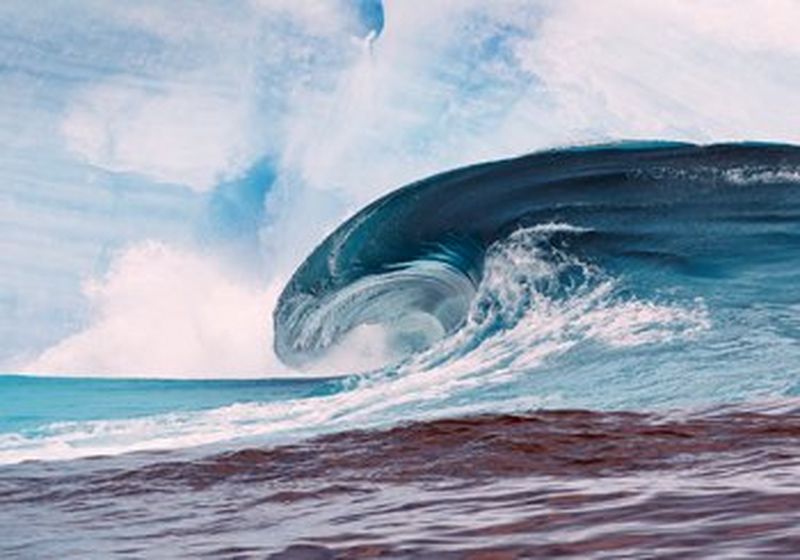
pixel 623 244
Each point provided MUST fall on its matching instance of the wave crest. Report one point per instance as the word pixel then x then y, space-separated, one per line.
pixel 615 242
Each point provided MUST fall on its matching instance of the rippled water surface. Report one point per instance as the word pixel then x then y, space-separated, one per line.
pixel 559 483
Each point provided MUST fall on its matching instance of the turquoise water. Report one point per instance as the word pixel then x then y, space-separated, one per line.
pixel 30 403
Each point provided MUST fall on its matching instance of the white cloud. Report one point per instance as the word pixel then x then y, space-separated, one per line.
pixel 675 69
pixel 178 135
pixel 425 96
pixel 316 17
pixel 165 312
pixel 216 87
pixel 461 82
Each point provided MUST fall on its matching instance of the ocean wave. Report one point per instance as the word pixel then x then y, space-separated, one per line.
pixel 644 223
pixel 588 278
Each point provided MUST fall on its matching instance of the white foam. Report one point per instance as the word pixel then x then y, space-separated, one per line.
pixel 163 311
pixel 521 316
pixel 751 176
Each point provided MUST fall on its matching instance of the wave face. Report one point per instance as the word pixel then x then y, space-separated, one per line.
pixel 624 244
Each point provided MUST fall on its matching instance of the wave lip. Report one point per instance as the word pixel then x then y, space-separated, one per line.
pixel 407 267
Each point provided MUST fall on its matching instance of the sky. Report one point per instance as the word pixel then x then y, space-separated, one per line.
pixel 164 166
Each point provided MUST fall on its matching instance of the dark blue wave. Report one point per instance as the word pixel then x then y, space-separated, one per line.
pixel 672 218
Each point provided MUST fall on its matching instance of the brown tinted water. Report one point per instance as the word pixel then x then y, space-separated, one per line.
pixel 546 484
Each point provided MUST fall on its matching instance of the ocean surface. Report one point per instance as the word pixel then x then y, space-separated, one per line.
pixel 560 483
pixel 588 352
